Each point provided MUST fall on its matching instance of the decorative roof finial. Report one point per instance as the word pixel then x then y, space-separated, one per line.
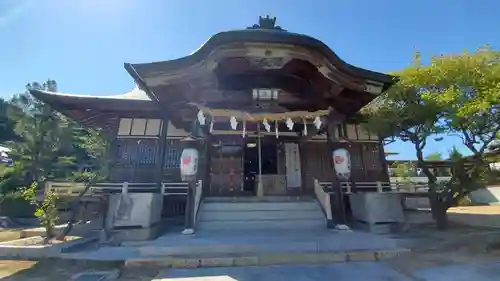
pixel 266 23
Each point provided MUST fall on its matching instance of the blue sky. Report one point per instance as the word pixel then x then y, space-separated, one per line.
pixel 83 43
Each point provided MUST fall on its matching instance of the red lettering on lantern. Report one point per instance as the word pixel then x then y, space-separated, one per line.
pixel 339 159
pixel 186 160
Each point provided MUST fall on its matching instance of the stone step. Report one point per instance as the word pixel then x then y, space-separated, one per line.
pixel 201 260
pixel 317 223
pixel 259 206
pixel 252 215
pixel 260 199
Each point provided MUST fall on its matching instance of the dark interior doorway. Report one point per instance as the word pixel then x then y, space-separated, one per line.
pixel 250 165
pixel 269 153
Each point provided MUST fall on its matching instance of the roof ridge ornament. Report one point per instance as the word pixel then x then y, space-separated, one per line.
pixel 267 22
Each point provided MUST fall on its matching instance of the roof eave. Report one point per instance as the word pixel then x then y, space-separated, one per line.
pixel 139 81
pixel 260 36
pixel 60 102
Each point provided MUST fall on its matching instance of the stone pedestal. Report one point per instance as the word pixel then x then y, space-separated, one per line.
pixel 134 211
pixel 378 212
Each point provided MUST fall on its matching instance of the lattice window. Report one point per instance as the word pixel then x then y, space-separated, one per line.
pixel 146 152
pixel 173 156
pixel 126 152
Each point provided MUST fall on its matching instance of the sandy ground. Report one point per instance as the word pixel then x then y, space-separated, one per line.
pixel 8 235
pixel 481 210
pixel 487 216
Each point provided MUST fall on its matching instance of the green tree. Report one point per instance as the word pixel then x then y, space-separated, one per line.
pixel 405 171
pixel 42 135
pixel 96 146
pixel 403 112
pixel 454 154
pixel 456 94
pixel 46 209
pixel 467 89
pixel 435 156
pixel 6 125
pixel 10 181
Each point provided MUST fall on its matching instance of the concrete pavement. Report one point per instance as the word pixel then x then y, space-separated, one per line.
pixel 373 271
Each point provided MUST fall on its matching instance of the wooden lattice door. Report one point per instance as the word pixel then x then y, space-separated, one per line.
pixel 226 170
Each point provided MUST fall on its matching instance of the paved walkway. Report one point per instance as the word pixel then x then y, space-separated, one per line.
pixel 240 242
pixel 372 271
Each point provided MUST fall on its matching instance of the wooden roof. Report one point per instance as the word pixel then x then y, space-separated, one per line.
pixel 141 70
pixel 98 111
pixel 223 71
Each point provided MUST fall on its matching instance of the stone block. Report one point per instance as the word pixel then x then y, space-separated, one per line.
pixel 391 253
pixel 274 259
pixel 303 258
pixel 148 262
pixel 185 263
pixel 361 256
pixel 328 257
pixel 246 261
pixel 217 262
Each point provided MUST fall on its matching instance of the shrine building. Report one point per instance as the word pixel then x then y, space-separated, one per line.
pixel 265 109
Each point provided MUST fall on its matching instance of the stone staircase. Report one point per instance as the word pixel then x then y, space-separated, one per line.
pixel 252 213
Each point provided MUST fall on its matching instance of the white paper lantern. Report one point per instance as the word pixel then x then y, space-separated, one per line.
pixel 317 122
pixel 289 124
pixel 342 163
pixel 189 162
pixel 234 123
pixel 201 118
pixel 266 125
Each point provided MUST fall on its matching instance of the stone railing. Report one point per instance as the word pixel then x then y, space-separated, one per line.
pixel 411 197
pixel 70 189
pixel 174 188
pixel 181 189
pixel 324 200
pixel 380 187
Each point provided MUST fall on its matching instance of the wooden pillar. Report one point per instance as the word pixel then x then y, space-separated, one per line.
pixel 338 205
pixel 260 187
pixel 162 149
pixel 383 162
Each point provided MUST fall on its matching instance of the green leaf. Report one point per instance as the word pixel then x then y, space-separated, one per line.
pixel 38 213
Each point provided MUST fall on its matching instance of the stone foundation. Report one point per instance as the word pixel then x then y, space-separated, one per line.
pixel 378 212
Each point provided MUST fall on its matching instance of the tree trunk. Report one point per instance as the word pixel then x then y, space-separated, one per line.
pixel 75 210
pixel 441 216
pixel 49 234
pixel 1 203
pixel 439 206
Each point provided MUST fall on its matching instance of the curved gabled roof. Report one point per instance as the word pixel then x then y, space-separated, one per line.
pixel 135 94
pixel 258 36
pixel 94 110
